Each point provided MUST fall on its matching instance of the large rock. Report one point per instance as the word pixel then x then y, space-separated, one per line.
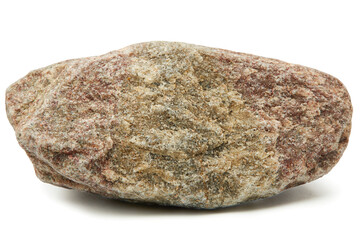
pixel 180 124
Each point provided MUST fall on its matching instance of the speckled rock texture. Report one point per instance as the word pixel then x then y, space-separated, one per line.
pixel 180 124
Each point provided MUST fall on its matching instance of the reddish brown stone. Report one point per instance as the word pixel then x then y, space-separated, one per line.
pixel 180 124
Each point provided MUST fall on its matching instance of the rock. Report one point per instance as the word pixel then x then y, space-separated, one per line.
pixel 180 124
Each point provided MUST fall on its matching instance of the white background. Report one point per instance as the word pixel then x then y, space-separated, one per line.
pixel 321 34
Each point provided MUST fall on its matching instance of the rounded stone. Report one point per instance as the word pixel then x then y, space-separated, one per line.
pixel 180 124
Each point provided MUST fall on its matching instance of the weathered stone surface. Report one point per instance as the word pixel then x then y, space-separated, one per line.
pixel 180 124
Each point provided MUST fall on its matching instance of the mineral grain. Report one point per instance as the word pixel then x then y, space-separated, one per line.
pixel 180 124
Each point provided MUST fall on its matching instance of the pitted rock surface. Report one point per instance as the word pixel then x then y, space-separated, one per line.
pixel 180 124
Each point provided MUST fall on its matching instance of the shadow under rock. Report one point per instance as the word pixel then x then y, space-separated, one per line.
pixel 104 206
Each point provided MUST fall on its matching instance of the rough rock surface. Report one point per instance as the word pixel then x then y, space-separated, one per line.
pixel 180 124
